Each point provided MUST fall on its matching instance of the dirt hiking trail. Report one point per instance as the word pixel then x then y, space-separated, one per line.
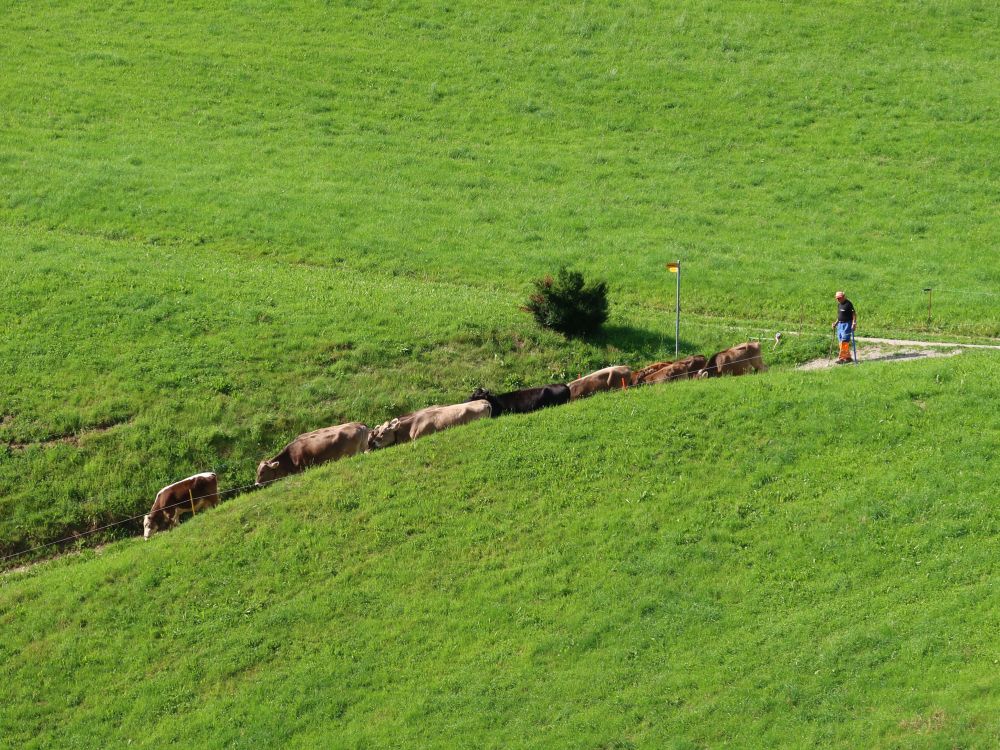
pixel 891 350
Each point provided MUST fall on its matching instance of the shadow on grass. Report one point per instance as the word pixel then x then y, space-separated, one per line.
pixel 640 343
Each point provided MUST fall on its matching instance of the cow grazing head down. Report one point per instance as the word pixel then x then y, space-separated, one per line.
pixel 481 394
pixel 384 435
pixel 267 471
pixel 153 523
pixel 186 497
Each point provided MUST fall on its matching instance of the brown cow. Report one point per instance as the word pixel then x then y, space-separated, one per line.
pixel 187 496
pixel 640 376
pixel 689 367
pixel 618 376
pixel 313 449
pixel 737 360
pixel 426 422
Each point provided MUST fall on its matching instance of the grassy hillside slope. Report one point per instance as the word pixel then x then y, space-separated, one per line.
pixel 796 560
pixel 224 225
pixel 125 369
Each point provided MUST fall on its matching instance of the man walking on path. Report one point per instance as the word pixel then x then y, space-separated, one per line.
pixel 847 321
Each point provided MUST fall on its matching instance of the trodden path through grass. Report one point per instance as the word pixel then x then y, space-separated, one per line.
pixel 908 342
pixel 897 350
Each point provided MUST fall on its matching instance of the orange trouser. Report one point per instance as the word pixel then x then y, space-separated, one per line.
pixel 845 350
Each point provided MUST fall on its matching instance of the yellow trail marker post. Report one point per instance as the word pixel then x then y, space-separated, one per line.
pixel 675 267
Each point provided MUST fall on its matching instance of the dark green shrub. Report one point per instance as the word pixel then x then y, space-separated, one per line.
pixel 566 304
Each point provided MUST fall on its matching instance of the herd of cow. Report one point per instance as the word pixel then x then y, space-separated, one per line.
pixel 191 495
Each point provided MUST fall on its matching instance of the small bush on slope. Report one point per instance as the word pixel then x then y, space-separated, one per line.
pixel 568 305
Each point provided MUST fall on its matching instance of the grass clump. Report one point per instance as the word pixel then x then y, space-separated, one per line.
pixel 569 305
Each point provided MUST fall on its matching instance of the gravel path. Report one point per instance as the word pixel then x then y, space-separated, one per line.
pixel 871 349
pixel 878 354
pixel 907 342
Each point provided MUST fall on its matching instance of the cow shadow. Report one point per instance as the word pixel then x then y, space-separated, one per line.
pixel 639 343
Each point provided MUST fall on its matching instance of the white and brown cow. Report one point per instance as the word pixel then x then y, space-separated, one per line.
pixel 315 448
pixel 426 422
pixel 610 378
pixel 185 497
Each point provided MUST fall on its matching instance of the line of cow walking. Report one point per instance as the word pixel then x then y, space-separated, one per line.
pixel 201 491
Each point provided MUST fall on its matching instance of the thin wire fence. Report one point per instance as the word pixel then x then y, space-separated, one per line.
pixel 234 490
pixel 967 292
pixel 130 519
pixel 191 500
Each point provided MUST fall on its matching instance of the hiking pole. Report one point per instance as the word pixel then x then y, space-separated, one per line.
pixel 832 344
pixel 854 346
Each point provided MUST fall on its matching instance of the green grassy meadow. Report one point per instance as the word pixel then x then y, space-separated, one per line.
pixel 131 368
pixel 796 560
pixel 222 225
pixel 783 151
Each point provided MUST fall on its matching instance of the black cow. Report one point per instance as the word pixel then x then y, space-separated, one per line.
pixel 524 401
